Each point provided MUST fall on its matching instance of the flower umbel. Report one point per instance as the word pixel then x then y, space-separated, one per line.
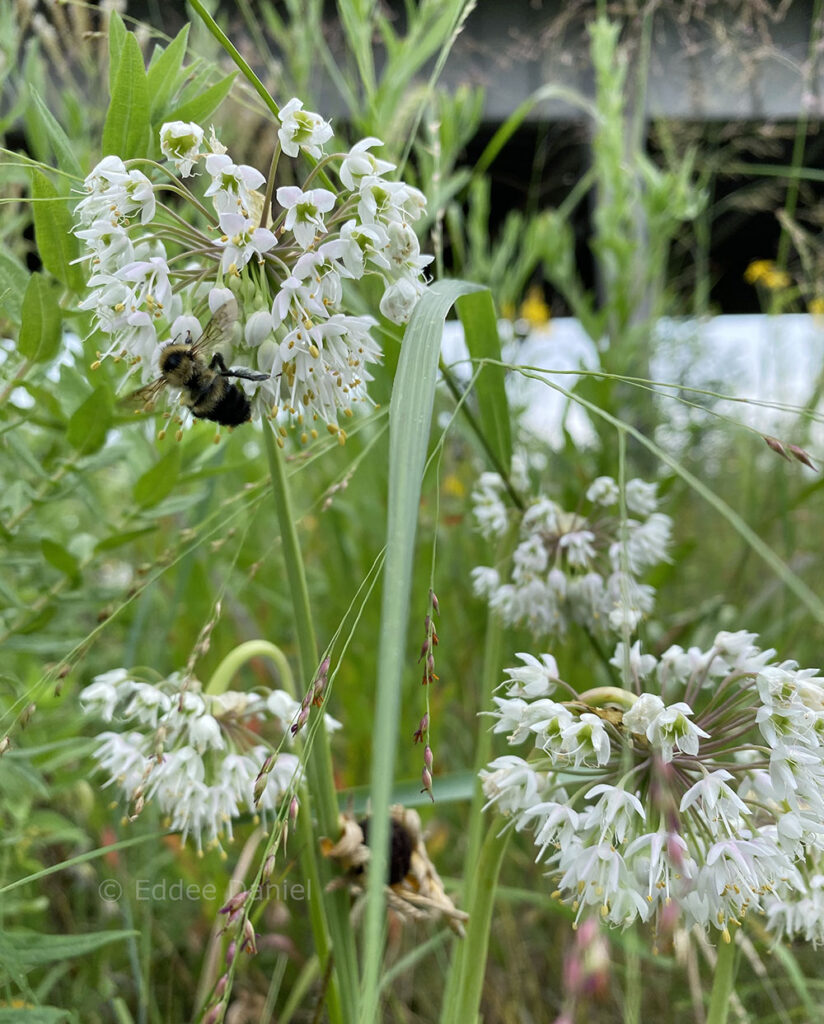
pixel 694 783
pixel 308 362
pixel 583 567
pixel 196 755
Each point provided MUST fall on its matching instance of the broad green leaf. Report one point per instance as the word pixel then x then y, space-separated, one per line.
pixel 39 338
pixel 90 422
pixel 56 244
pixel 14 278
pixel 410 416
pixel 56 555
pixel 126 131
pixel 205 104
pixel 24 950
pixel 117 39
pixel 477 313
pixel 159 480
pixel 46 398
pixel 64 151
pixel 33 1015
pixel 164 74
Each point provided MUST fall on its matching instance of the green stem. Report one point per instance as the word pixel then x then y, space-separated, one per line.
pixel 475 945
pixel 270 187
pixel 234 53
pixel 318 754
pixel 483 750
pixel 223 674
pixel 800 142
pixel 722 983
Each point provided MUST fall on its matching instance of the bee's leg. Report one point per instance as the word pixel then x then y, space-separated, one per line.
pixel 218 364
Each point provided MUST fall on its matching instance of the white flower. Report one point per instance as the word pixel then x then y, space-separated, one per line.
pixel 616 811
pixel 640 665
pixel 487 506
pixel 716 797
pixel 643 712
pixel 510 783
pixel 641 497
pixel 258 326
pixel 205 734
pixel 109 244
pixel 305 211
pixel 586 739
pixel 180 141
pixel 105 693
pixel 535 679
pixel 362 242
pixel 579 547
pixel 603 491
pixel 241 241
pixel 400 298
pixel 485 581
pixel 115 194
pixel 672 728
pixel 360 163
pixel 646 544
pixel 302 129
pixel 233 185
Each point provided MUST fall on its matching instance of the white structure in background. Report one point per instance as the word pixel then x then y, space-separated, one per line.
pixel 762 363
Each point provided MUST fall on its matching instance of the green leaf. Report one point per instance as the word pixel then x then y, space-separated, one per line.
pixel 477 313
pixel 64 151
pixel 24 950
pixel 33 1015
pixel 39 338
pixel 13 282
pixel 90 422
pixel 126 131
pixel 46 399
pixel 56 555
pixel 160 480
pixel 205 104
pixel 116 540
pixel 410 416
pixel 164 73
pixel 56 244
pixel 117 39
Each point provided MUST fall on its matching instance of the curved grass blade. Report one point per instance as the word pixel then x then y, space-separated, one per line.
pixel 410 415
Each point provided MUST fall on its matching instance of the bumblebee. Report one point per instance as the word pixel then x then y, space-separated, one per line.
pixel 205 387
pixel 414 887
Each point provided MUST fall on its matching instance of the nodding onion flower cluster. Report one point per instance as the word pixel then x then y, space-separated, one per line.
pixel 198 756
pixel 284 257
pixel 694 789
pixel 581 567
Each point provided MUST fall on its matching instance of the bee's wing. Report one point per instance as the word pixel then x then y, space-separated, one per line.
pixel 146 395
pixel 217 329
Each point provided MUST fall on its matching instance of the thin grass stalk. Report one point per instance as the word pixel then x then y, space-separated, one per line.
pixel 333 919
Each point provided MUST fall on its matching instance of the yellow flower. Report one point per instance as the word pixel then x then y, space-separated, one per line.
pixel 453 486
pixel 765 272
pixel 816 306
pixel 534 308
